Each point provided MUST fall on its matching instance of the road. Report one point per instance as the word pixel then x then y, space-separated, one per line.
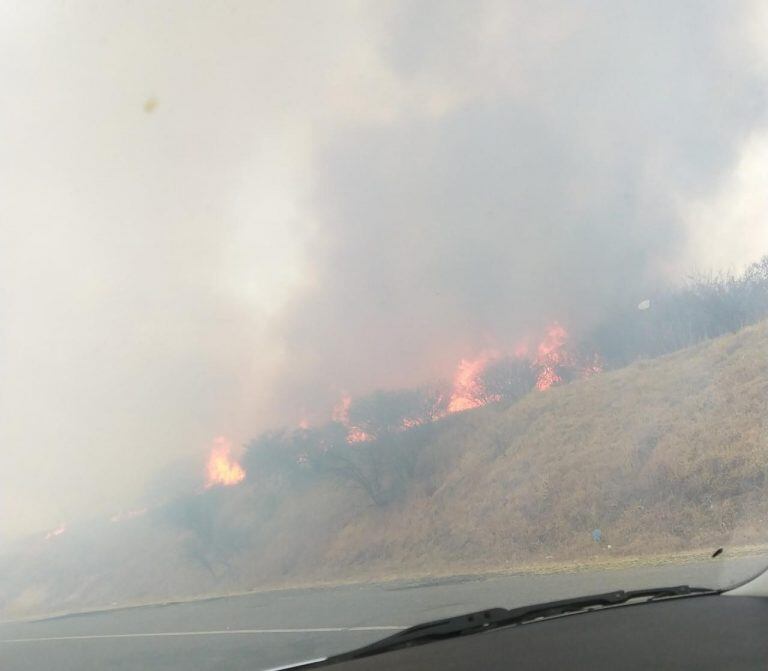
pixel 263 630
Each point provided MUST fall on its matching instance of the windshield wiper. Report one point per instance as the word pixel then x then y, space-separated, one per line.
pixel 472 623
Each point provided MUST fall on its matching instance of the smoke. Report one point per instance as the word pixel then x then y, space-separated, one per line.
pixel 537 174
pixel 218 219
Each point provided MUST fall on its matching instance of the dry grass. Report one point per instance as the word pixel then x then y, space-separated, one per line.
pixel 662 456
pixel 665 456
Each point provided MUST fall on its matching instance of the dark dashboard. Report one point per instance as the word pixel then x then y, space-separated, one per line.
pixel 700 632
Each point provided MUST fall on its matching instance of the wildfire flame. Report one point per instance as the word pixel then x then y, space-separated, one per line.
pixel 355 435
pixel 549 360
pixel 551 355
pixel 222 468
pixel 340 412
pixel 468 390
pixel 341 415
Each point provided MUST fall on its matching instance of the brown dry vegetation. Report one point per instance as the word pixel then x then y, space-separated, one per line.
pixel 663 456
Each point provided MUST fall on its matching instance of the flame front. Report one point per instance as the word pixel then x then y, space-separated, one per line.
pixel 355 435
pixel 550 356
pixel 550 361
pixel 468 391
pixel 222 468
pixel 340 412
pixel 341 415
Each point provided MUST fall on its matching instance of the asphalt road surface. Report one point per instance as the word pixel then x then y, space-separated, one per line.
pixel 264 630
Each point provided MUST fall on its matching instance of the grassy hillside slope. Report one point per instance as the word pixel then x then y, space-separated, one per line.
pixel 664 455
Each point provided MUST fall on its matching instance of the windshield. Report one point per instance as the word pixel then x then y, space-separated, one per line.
pixel 362 314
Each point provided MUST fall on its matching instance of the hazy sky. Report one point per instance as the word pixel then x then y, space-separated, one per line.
pixel 215 217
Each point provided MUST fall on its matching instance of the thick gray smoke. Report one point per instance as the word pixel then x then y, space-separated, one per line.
pixel 538 177
pixel 214 220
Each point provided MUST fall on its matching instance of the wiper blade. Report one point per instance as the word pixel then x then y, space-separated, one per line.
pixel 472 623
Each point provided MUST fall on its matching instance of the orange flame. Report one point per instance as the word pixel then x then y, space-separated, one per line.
pixel 550 355
pixel 340 414
pixel 355 435
pixel 468 391
pixel 222 469
pixel 549 360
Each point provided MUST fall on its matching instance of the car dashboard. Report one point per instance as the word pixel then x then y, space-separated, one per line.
pixel 698 632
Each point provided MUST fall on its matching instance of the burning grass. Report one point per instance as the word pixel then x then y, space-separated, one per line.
pixel 664 456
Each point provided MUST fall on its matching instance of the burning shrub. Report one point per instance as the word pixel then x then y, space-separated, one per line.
pixel 222 469
pixel 386 412
pixel 381 465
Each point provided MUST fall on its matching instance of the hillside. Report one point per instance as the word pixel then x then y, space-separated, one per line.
pixel 664 455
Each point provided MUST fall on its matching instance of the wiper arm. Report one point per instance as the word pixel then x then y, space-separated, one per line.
pixel 472 623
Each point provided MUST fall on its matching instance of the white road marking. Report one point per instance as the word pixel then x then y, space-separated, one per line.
pixel 215 632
